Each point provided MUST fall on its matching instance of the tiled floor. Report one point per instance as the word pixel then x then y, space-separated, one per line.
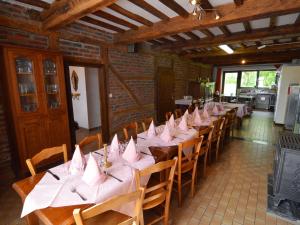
pixel 234 192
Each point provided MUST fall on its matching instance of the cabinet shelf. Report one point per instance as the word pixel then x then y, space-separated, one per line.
pixel 25 73
pixel 50 74
pixel 52 93
pixel 27 95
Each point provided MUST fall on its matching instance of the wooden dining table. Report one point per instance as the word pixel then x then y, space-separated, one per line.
pixel 64 215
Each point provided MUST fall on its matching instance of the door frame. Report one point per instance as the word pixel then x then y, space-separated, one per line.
pixel 103 93
pixel 157 73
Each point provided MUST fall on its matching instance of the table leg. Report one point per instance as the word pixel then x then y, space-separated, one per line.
pixel 32 219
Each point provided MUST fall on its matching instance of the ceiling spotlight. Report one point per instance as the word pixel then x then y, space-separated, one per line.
pixel 226 48
pixel 200 12
pixel 261 47
pixel 217 15
pixel 243 61
pixel 194 2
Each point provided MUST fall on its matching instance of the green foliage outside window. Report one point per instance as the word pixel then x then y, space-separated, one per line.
pixel 266 79
pixel 248 79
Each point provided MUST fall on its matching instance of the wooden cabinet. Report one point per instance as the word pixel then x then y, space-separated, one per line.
pixel 35 100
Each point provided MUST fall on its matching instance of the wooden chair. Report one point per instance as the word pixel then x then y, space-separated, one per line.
pixel 103 214
pixel 223 132
pixel 231 122
pixel 168 115
pixel 130 130
pixel 205 146
pixel 146 123
pixel 178 113
pixel 44 155
pixel 186 172
pixel 160 193
pixel 216 136
pixel 90 139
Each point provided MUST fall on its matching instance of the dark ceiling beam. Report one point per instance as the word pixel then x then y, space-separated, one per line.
pixel 247 26
pixel 192 35
pixel 250 10
pixel 149 8
pixel 130 15
pixel 154 42
pixel 237 37
pixel 175 7
pixel 207 33
pixel 101 24
pixel 225 30
pixel 239 2
pixel 298 19
pixel 178 37
pixel 273 21
pixel 115 19
pixel 37 3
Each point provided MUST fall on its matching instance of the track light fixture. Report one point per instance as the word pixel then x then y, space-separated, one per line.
pixel 200 12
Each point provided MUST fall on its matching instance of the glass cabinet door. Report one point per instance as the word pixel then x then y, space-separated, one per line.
pixel 51 81
pixel 26 84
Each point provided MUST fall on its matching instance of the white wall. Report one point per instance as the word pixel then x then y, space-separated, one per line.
pixel 80 109
pixel 93 97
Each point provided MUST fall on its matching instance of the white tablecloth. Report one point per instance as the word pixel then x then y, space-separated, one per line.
pixel 57 193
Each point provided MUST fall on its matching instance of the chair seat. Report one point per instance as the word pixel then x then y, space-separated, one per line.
pixel 107 218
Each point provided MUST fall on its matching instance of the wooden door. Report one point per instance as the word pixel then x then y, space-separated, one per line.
pixel 165 92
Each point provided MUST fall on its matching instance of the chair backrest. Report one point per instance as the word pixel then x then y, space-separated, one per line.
pixel 207 136
pixel 161 192
pixel 44 155
pixel 218 125
pixel 231 117
pixel 90 139
pixel 146 122
pixel 168 115
pixel 187 163
pixel 178 113
pixel 130 130
pixel 81 215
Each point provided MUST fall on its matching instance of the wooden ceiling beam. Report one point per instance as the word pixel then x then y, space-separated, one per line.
pixel 37 3
pixel 207 33
pixel 247 26
pixel 225 30
pixel 206 4
pixel 175 7
pixel 115 19
pixel 130 15
pixel 284 56
pixel 298 19
pixel 236 37
pixel 249 50
pixel 273 21
pixel 192 35
pixel 165 40
pixel 250 10
pixel 178 37
pixel 154 42
pixel 73 10
pixel 149 8
pixel 101 24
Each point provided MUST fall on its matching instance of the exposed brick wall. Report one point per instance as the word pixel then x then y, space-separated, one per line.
pixel 14 11
pixel 5 155
pixel 81 50
pixel 22 38
pixel 129 66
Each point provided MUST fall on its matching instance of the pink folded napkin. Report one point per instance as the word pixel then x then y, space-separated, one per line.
pixel 166 134
pixel 186 113
pixel 183 124
pixel 196 111
pixel 221 107
pixel 93 174
pixel 131 154
pixel 215 110
pixel 151 131
pixel 197 119
pixel 172 121
pixel 78 162
pixel 205 114
pixel 114 152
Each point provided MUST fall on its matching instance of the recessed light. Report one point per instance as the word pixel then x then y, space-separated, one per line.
pixel 226 48
pixel 243 61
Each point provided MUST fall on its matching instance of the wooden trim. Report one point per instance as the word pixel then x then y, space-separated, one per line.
pixel 101 24
pixel 83 61
pixel 125 86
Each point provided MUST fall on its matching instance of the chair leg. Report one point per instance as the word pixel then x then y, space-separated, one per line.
pixel 204 165
pixel 179 190
pixel 217 149
pixel 166 214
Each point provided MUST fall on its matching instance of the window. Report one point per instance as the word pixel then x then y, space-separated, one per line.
pixel 266 79
pixel 248 79
pixel 230 84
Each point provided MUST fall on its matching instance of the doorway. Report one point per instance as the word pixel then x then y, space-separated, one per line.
pixel 87 100
pixel 165 101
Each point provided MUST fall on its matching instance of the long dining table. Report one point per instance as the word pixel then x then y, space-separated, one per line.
pixel 64 215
